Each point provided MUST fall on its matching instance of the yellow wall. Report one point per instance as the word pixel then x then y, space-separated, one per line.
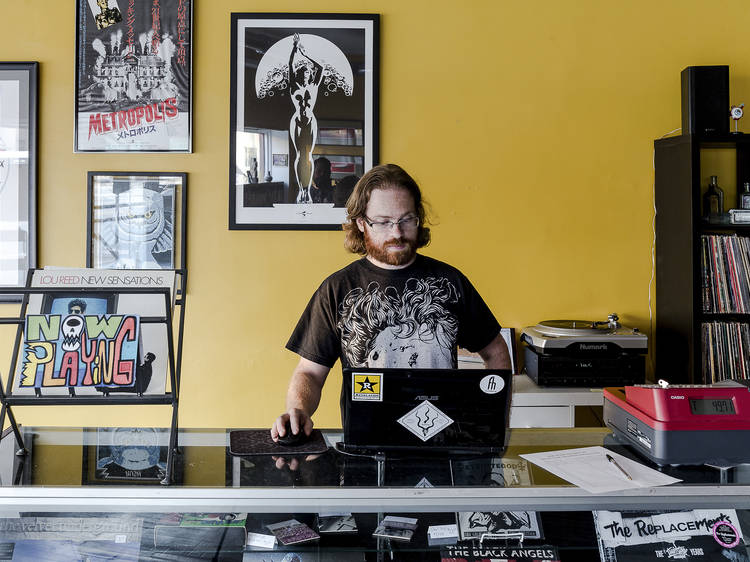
pixel 528 124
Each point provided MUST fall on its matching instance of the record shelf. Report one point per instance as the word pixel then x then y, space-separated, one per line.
pixel 679 185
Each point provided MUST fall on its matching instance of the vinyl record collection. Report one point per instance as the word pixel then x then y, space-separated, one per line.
pixel 726 273
pixel 725 289
pixel 726 350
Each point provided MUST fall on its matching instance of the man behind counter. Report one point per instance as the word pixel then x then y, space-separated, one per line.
pixel 393 307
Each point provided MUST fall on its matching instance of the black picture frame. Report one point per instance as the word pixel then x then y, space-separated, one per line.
pixel 136 220
pixel 134 76
pixel 126 456
pixel 18 173
pixel 329 64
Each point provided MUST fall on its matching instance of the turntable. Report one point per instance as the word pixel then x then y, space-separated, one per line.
pixel 585 353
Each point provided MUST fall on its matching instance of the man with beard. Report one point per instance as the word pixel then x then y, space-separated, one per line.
pixel 392 308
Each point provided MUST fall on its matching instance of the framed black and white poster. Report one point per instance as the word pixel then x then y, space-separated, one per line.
pixel 304 117
pixel 125 455
pixel 18 147
pixel 133 76
pixel 136 220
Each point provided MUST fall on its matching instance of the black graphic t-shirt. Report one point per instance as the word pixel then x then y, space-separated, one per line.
pixel 413 317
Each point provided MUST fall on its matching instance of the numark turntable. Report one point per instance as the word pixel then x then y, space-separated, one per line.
pixel 585 353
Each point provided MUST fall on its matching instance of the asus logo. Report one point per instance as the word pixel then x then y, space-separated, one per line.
pixel 427 398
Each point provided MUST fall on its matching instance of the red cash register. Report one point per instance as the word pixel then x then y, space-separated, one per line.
pixel 682 424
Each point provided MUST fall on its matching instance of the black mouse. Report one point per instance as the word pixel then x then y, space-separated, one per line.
pixel 290 438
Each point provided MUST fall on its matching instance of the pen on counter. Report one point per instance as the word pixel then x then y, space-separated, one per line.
pixel 614 462
pixel 516 479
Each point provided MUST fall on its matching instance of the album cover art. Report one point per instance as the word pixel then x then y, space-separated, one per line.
pixel 335 524
pixel 474 524
pixel 403 535
pixel 699 535
pixel 292 532
pixel 462 553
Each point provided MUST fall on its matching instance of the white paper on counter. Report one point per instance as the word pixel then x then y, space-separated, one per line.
pixel 588 468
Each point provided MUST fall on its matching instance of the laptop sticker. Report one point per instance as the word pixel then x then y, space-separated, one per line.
pixel 425 421
pixel 367 387
pixel 492 384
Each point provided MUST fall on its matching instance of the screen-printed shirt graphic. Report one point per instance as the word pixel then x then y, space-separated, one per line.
pixel 414 317
pixel 385 327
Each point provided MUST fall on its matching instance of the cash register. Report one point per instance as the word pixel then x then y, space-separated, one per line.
pixel 682 424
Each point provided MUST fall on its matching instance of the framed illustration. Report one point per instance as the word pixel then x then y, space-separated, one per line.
pixel 304 117
pixel 125 455
pixel 136 220
pixel 18 148
pixel 134 76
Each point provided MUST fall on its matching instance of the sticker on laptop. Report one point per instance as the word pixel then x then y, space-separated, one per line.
pixel 492 384
pixel 367 387
pixel 425 421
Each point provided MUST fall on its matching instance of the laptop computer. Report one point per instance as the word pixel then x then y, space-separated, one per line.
pixel 426 410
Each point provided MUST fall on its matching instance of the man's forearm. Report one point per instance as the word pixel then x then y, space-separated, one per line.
pixel 496 355
pixel 304 393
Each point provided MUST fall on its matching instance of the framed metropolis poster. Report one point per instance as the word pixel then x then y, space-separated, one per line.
pixel 133 76
pixel 18 143
pixel 136 220
pixel 304 117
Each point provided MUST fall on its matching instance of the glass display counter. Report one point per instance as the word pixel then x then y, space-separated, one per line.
pixel 73 476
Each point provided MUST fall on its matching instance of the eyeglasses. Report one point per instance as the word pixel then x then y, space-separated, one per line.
pixel 406 223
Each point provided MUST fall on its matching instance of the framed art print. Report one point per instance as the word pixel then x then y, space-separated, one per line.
pixel 125 455
pixel 136 220
pixel 133 76
pixel 304 117
pixel 18 148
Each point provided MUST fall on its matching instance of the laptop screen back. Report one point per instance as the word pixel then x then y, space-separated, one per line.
pixel 426 409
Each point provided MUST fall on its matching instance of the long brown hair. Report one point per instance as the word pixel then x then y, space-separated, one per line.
pixel 385 176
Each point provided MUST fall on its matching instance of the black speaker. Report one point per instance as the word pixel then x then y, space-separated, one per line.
pixel 705 100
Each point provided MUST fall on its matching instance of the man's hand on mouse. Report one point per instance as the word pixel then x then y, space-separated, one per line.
pixel 298 421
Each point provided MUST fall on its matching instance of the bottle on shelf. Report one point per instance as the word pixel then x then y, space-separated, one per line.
pixel 744 199
pixel 713 200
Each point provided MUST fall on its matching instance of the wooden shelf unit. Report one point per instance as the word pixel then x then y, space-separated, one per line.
pixel 679 226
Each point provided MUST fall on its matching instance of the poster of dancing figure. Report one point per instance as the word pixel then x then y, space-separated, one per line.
pixel 134 76
pixel 304 117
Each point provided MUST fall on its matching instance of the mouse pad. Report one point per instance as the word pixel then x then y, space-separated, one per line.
pixel 259 442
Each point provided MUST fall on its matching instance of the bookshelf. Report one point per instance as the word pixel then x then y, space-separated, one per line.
pixel 679 186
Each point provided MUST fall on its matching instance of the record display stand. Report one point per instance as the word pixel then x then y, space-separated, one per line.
pixel 42 397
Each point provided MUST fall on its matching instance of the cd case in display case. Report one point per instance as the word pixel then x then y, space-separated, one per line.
pixel 292 531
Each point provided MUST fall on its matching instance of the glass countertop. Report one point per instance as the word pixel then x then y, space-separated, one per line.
pixel 90 466
pixel 110 480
